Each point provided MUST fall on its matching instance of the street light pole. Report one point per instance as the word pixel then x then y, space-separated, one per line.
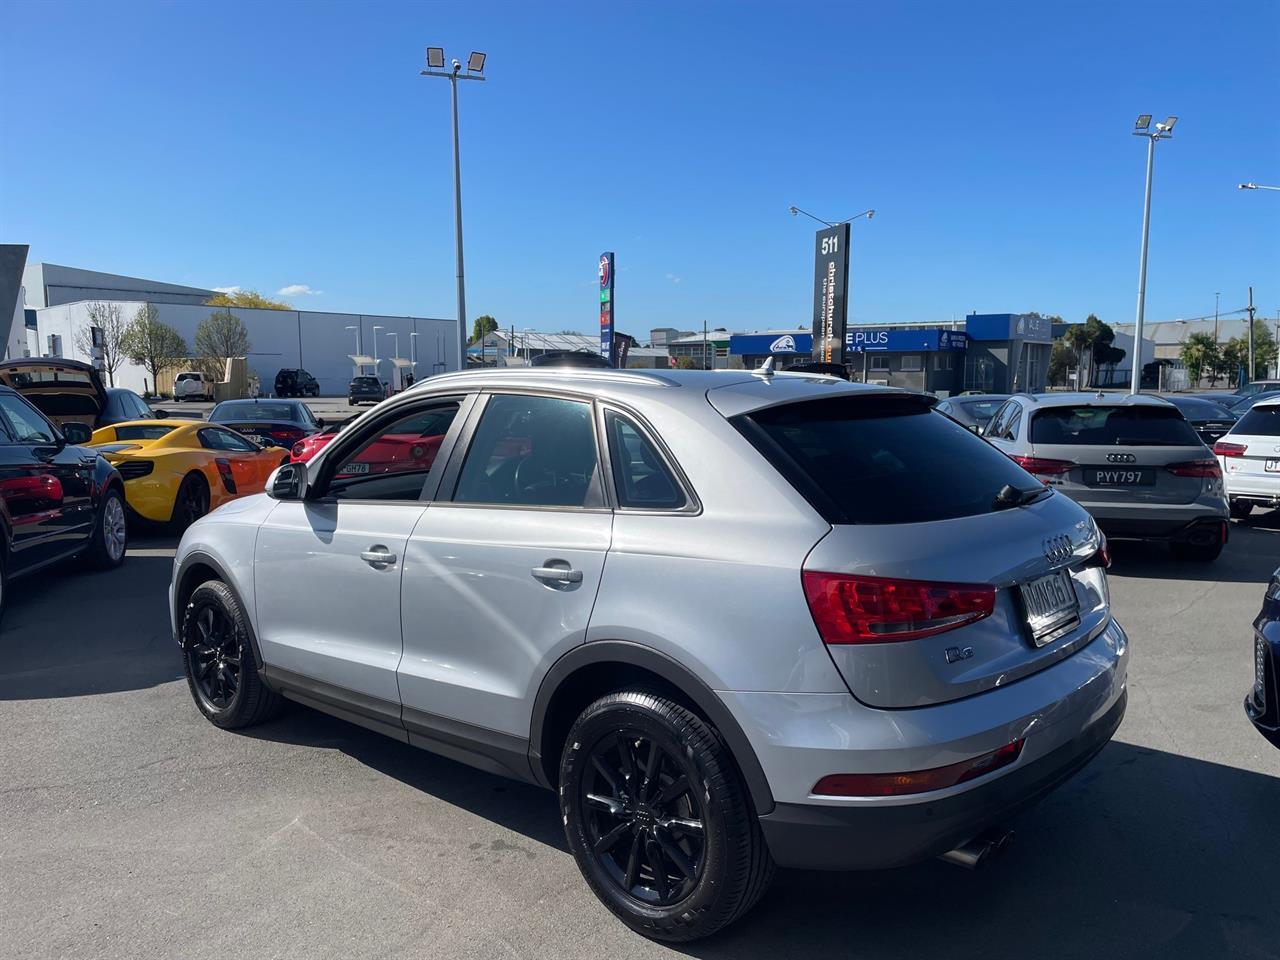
pixel 1162 132
pixel 375 347
pixel 475 69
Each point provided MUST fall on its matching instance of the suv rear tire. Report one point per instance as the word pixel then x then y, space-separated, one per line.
pixel 658 818
pixel 1240 509
pixel 218 660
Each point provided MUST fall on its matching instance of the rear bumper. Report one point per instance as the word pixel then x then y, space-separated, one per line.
pixel 1205 529
pixel 843 838
pixel 1255 488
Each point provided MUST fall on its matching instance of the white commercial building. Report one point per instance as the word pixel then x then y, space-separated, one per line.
pixel 328 345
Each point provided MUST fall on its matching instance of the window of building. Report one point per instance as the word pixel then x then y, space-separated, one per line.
pixel 880 362
pixel 911 362
pixel 942 360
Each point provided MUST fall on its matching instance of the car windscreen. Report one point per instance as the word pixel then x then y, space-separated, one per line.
pixel 142 431
pixel 187 376
pixel 253 412
pixel 1096 425
pixel 885 459
pixel 1263 421
pixel 980 409
pixel 1195 409
pixel 367 382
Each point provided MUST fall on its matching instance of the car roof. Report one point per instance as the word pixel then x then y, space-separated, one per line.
pixel 1267 402
pixel 732 392
pixel 978 397
pixel 1089 399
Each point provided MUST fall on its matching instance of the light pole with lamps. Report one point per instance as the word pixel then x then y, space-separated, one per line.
pixel 1163 131
pixel 869 214
pixel 395 340
pixel 375 349
pixel 475 71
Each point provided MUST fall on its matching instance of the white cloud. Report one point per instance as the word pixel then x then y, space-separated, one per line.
pixel 298 290
pixel 236 289
pixel 673 278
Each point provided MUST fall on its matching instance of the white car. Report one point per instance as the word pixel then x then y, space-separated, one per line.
pixel 192 385
pixel 1249 454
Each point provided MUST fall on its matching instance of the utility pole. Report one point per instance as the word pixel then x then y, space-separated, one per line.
pixel 1163 131
pixel 1250 335
pixel 1217 298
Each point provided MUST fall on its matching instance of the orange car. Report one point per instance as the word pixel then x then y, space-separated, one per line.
pixel 176 471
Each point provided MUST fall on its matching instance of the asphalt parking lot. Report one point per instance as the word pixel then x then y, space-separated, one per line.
pixel 130 827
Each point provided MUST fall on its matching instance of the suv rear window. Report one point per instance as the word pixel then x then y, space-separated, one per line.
pixel 1259 422
pixel 881 459
pixel 1099 426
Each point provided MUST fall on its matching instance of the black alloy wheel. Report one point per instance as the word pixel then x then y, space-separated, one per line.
pixel 221 668
pixel 643 819
pixel 192 501
pixel 213 653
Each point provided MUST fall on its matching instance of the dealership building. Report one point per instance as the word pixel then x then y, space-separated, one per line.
pixel 332 346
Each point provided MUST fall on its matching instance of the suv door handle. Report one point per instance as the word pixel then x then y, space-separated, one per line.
pixel 378 556
pixel 559 574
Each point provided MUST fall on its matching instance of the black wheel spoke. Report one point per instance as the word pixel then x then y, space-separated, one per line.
pixel 653 853
pixel 676 856
pixel 611 777
pixel 625 746
pixel 650 769
pixel 691 828
pixel 633 865
pixel 606 842
pixel 605 803
pixel 670 791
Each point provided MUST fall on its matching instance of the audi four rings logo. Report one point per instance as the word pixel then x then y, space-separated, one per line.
pixel 1121 458
pixel 1057 549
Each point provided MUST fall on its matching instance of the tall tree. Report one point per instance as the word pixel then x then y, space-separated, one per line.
pixel 1199 354
pixel 152 343
pixel 483 326
pixel 247 298
pixel 108 317
pixel 220 336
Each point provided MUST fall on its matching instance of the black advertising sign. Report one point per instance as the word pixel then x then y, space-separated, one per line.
pixel 606 308
pixel 830 284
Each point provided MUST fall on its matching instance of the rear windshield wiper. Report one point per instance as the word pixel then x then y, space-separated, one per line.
pixel 1011 496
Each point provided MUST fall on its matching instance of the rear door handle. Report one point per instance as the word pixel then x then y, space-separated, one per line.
pixel 378 556
pixel 558 574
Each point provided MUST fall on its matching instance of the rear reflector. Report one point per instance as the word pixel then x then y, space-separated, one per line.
pixel 1196 468
pixel 916 781
pixel 1042 466
pixel 298 450
pixel 1224 449
pixel 851 609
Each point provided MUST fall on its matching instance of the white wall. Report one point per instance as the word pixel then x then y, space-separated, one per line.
pixel 276 339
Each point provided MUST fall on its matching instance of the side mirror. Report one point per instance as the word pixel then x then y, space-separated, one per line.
pixel 288 482
pixel 161 414
pixel 77 433
pixel 976 428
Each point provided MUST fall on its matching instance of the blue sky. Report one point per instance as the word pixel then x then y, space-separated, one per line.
pixel 270 144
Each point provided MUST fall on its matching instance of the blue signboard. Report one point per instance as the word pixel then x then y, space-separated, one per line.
pixel 606 308
pixel 921 339
pixel 762 344
pixel 1009 326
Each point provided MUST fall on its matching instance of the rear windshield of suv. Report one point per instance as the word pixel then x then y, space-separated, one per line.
pixel 1259 422
pixel 881 459
pixel 1099 426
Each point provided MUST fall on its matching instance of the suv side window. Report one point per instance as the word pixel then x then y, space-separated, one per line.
pixel 26 423
pixel 641 477
pixel 531 451
pixel 394 462
pixel 1011 428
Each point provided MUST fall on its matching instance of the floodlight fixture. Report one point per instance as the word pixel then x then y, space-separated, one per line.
pixel 1143 123
pixel 435 58
pixel 475 62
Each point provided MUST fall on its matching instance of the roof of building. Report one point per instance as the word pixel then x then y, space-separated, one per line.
pixel 1176 331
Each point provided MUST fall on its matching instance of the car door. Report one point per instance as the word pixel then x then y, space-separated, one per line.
pixel 327 569
pixel 501 571
pixel 46 485
pixel 239 458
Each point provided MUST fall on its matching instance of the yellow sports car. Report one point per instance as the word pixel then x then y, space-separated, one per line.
pixel 176 471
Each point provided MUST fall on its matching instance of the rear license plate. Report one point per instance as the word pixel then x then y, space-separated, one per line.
pixel 1051 605
pixel 1272 466
pixel 259 439
pixel 1117 477
pixel 355 466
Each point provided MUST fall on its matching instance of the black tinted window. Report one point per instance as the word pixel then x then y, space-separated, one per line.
pixel 533 451
pixel 882 459
pixel 640 475
pixel 253 412
pixel 394 460
pixel 1194 409
pixel 1090 425
pixel 25 424
pixel 217 439
pixel 1259 422
pixel 142 432
pixel 980 409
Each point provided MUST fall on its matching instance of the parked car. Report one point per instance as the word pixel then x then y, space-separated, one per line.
pixel 296 383
pixel 365 390
pixel 68 391
pixel 877 616
pixel 569 358
pixel 1252 390
pixel 192 385
pixel 57 499
pixel 972 410
pixel 1133 462
pixel 1249 455
pixel 176 471
pixel 1262 704
pixel 1243 405
pixel 310 445
pixel 1209 419
pixel 279 423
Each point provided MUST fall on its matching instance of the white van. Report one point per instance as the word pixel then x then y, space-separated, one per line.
pixel 192 385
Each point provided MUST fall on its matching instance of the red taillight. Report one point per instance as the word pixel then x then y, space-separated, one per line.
pixel 1102 556
pixel 916 781
pixel 224 471
pixel 1224 449
pixel 1042 466
pixel 1196 468
pixel 849 609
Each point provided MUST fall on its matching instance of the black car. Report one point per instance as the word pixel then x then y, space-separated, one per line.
pixel 366 390
pixel 68 391
pixel 268 423
pixel 296 382
pixel 1209 418
pixel 973 410
pixel 569 358
pixel 57 499
pixel 1262 705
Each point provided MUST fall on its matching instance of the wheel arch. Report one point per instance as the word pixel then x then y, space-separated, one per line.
pixel 594 669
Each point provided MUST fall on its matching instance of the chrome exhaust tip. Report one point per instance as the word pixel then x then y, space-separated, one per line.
pixel 981 849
